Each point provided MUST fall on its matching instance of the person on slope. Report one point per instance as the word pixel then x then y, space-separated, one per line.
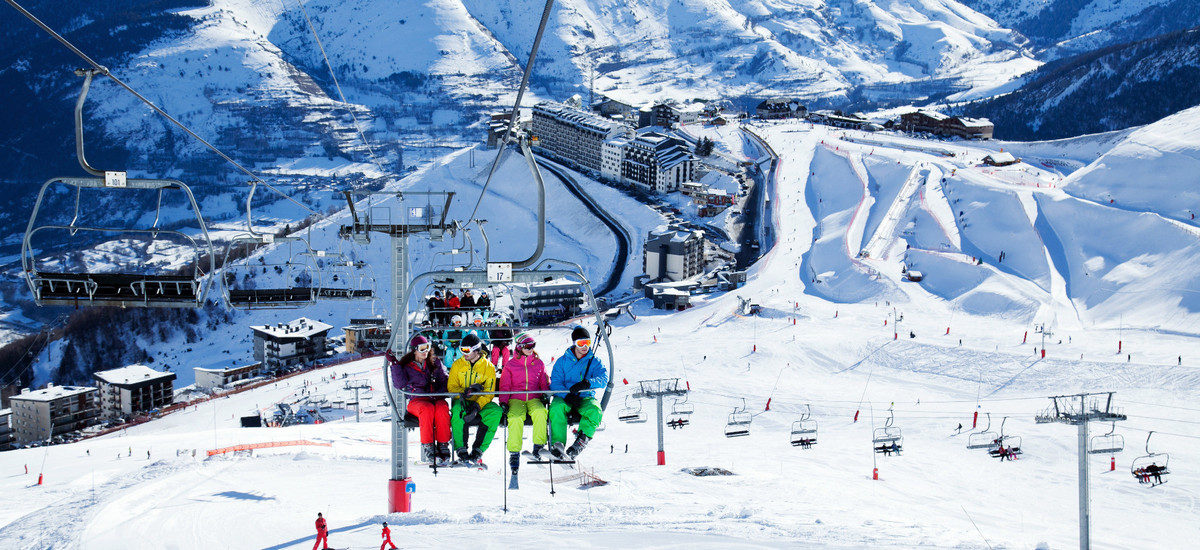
pixel 322 533
pixel 574 376
pixel 473 373
pixel 387 538
pixel 419 372
pixel 525 372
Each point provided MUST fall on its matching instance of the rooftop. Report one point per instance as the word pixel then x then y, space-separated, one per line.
pixel 132 374
pixel 51 393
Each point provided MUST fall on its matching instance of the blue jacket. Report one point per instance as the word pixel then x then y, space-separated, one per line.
pixel 568 370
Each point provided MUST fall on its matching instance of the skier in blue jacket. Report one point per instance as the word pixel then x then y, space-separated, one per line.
pixel 574 376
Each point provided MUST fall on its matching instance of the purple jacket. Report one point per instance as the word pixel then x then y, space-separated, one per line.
pixel 413 377
pixel 523 373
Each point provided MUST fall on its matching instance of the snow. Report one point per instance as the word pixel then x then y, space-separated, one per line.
pixel 1098 277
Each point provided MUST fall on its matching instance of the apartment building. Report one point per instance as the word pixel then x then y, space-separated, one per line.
pixel 133 389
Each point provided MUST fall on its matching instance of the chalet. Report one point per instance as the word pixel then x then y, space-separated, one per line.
pixel 1000 159
pixel 933 122
pixel 780 108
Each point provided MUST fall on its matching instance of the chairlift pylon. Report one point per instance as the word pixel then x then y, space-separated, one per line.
pixel 1109 443
pixel 56 279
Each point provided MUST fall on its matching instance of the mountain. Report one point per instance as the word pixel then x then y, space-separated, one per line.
pixel 1113 88
pixel 1064 28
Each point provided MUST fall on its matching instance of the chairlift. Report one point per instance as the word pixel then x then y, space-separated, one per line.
pixel 985 439
pixel 804 431
pixel 632 415
pixel 739 421
pixel 293 282
pixel 888 438
pixel 343 278
pixel 1109 443
pixel 1011 444
pixel 681 410
pixel 1152 466
pixel 139 279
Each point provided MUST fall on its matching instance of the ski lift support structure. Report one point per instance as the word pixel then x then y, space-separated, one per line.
pixel 1080 409
pixel 657 389
pixel 121 289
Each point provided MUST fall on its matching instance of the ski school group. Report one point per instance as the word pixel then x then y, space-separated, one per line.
pixel 522 389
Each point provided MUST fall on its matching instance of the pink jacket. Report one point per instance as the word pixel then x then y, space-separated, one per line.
pixel 523 373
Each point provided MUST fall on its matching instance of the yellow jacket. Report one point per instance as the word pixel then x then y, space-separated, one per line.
pixel 463 375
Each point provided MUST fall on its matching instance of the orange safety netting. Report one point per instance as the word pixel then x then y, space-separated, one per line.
pixel 250 446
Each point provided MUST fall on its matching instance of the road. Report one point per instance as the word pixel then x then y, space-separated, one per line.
pixel 623 240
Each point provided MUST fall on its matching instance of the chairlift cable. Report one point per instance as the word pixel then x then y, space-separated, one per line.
pixel 338 86
pixel 104 70
pixel 512 121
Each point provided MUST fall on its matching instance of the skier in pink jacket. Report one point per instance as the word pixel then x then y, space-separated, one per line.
pixel 524 372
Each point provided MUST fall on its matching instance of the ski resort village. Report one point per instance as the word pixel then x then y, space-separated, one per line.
pixel 477 295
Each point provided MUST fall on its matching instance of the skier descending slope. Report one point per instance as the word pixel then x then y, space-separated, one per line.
pixel 473 373
pixel 577 372
pixel 525 372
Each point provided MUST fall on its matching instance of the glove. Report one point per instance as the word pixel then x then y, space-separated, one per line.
pixel 545 399
pixel 476 387
pixel 580 386
pixel 466 394
pixel 574 400
pixel 504 409
pixel 390 357
pixel 470 411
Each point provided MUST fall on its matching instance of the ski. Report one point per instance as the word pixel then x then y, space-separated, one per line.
pixel 467 464
pixel 512 482
pixel 546 458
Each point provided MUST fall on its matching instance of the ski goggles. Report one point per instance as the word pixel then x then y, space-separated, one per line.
pixel 424 348
pixel 584 342
pixel 529 345
pixel 469 349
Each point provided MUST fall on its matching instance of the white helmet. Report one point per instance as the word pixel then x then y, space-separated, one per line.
pixel 457 320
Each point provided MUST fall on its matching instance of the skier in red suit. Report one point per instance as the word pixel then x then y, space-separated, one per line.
pixel 387 538
pixel 322 533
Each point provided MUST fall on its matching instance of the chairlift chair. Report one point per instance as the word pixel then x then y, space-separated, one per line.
pixel 1109 443
pixel 1011 443
pixel 135 282
pixel 804 431
pixel 984 439
pixel 681 410
pixel 884 438
pixel 343 278
pixel 1141 467
pixel 739 421
pixel 295 280
pixel 632 415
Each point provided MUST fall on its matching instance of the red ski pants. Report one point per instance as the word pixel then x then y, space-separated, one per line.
pixel 322 538
pixel 434 417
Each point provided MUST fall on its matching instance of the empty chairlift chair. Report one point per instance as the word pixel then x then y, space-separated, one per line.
pixel 632 415
pixel 257 279
pixel 985 439
pixel 1109 443
pixel 804 431
pixel 132 258
pixel 343 278
pixel 739 421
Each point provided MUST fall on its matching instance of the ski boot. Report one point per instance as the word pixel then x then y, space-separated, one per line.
pixel 443 454
pixel 537 452
pixel 577 446
pixel 464 454
pixel 557 451
pixel 476 455
pixel 428 453
pixel 514 462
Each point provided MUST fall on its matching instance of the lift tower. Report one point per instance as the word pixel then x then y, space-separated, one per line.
pixel 657 389
pixel 1079 410
pixel 412 219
